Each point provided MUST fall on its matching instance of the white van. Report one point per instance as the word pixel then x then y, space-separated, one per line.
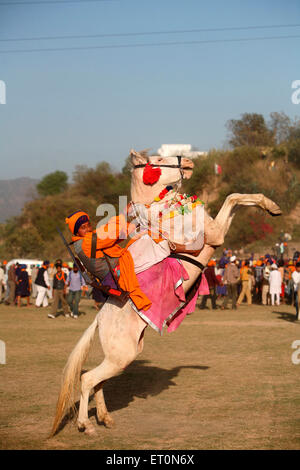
pixel 29 263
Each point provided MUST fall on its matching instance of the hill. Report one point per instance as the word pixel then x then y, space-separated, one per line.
pixel 265 158
pixel 14 194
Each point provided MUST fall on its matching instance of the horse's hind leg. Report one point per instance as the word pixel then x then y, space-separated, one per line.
pixel 134 347
pixel 89 380
pixel 102 413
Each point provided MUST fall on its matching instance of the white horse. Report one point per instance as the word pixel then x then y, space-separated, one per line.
pixel 121 330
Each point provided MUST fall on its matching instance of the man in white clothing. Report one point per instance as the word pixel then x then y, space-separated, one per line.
pixel 296 281
pixel 43 285
pixel 275 284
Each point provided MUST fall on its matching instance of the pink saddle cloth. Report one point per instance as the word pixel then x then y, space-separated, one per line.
pixel 162 283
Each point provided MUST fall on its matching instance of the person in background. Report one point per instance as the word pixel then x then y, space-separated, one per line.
pixel 212 283
pixel 75 282
pixel 11 284
pixel 2 274
pixel 22 285
pixel 290 284
pixel 51 272
pixel 296 281
pixel 245 274
pixel 275 284
pixel 281 270
pixel 265 283
pixel 231 279
pixel 43 285
pixel 258 274
pixel 59 292
pixel 34 271
pixel 221 289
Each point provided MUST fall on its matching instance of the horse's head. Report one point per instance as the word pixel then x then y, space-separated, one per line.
pixel 152 173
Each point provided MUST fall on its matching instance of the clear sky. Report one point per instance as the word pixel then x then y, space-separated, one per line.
pixel 83 106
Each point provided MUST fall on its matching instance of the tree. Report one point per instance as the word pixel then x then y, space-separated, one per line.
pixel 280 126
pixel 53 183
pixel 250 130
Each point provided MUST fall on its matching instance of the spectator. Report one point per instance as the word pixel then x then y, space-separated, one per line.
pixel 11 284
pixel 2 274
pixel 51 272
pixel 43 285
pixel 275 284
pixel 265 283
pixel 34 271
pixel 59 291
pixel 221 289
pixel 212 283
pixel 258 274
pixel 231 278
pixel 296 281
pixel 75 283
pixel 22 285
pixel 246 284
pixel 281 270
pixel 290 284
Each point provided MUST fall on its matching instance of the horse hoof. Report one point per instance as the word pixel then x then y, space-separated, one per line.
pixel 108 422
pixel 90 431
pixel 86 428
pixel 272 207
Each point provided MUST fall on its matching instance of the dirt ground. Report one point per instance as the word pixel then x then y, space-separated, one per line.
pixel 222 380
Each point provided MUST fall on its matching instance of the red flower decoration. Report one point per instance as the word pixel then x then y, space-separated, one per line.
pixel 163 193
pixel 151 175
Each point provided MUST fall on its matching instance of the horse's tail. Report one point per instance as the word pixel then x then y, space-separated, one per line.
pixel 71 374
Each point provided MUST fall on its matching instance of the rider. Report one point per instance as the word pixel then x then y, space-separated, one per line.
pixel 100 252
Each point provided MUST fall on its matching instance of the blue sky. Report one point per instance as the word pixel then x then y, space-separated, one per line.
pixel 70 107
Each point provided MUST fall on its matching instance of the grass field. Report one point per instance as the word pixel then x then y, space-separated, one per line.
pixel 222 380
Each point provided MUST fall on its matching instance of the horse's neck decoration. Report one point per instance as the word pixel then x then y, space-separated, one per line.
pixel 157 203
pixel 175 217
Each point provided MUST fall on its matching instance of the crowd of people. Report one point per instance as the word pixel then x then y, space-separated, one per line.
pixel 267 280
pixel 57 284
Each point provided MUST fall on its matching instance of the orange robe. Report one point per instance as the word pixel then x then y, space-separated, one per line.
pixel 108 236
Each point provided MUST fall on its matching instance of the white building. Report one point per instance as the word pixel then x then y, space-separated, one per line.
pixel 185 150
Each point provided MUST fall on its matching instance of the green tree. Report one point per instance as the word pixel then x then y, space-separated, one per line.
pixel 250 130
pixel 53 183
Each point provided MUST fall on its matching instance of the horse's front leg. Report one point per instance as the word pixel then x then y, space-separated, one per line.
pixel 216 229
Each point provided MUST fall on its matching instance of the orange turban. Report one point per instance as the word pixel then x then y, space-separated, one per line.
pixel 75 220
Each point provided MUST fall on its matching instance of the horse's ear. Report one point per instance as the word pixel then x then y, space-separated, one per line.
pixel 188 165
pixel 138 158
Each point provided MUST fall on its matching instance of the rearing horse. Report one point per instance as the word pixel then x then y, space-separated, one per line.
pixel 121 330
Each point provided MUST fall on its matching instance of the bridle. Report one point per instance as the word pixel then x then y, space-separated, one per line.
pixel 179 165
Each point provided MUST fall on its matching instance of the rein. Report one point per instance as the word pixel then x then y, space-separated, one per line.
pixel 142 165
pixel 188 259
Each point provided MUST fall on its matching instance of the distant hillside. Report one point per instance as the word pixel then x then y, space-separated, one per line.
pixel 14 194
